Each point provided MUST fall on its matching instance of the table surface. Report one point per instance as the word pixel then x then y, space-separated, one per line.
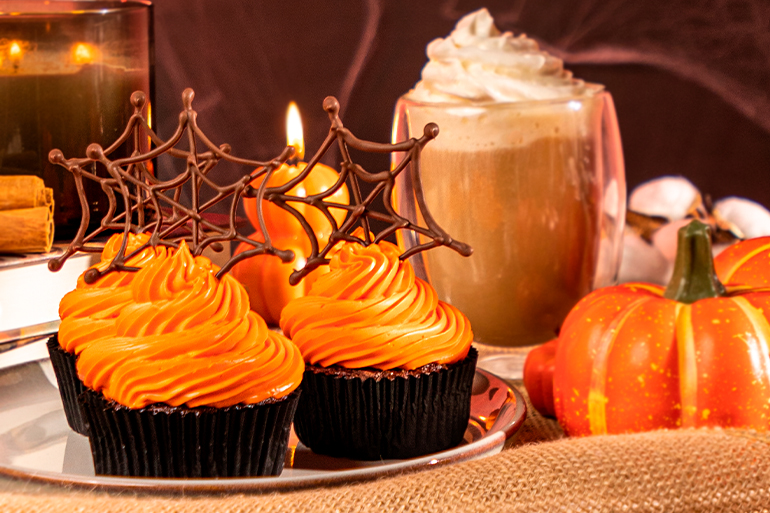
pixel 681 470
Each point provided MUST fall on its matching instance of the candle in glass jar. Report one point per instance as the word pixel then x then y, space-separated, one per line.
pixel 65 81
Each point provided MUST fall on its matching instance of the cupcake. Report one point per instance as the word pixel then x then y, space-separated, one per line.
pixel 87 313
pixel 186 381
pixel 389 367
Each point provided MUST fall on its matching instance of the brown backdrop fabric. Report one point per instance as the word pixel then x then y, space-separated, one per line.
pixel 689 81
pixel 688 470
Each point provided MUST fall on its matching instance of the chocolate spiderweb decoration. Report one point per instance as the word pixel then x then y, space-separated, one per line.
pixel 152 205
pixel 361 210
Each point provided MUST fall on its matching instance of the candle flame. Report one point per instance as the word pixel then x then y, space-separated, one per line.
pixel 14 50
pixel 83 53
pixel 294 135
pixel 150 165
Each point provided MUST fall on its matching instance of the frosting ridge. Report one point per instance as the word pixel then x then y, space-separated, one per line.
pixel 184 337
pixel 88 311
pixel 370 310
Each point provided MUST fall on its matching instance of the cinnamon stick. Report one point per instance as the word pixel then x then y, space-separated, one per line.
pixel 26 215
pixel 26 230
pixel 23 191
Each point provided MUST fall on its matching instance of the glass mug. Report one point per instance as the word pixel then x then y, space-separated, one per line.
pixel 537 188
pixel 67 71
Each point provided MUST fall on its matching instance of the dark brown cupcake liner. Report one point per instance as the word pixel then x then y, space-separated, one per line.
pixel 70 385
pixel 370 415
pixel 166 441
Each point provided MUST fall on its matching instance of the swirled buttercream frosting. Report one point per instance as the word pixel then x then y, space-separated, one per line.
pixel 88 312
pixel 187 338
pixel 370 310
pixel 478 63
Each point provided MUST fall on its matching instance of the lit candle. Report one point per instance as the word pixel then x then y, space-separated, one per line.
pixel 83 53
pixel 16 50
pixel 294 134
pixel 65 82
pixel 282 225
pixel 265 277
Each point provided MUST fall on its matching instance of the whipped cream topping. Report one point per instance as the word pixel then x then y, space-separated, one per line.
pixel 478 63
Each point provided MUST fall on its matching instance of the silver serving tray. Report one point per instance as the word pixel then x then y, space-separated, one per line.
pixel 37 445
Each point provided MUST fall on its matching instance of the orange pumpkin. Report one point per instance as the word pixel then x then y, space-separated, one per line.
pixel 538 377
pixel 266 278
pixel 281 224
pixel 636 357
pixel 746 263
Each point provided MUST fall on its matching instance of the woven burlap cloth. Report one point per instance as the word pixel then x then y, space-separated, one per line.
pixel 689 470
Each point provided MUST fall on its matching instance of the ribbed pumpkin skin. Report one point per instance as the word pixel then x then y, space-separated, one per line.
pixel 746 263
pixel 629 360
pixel 283 226
pixel 266 280
pixel 538 377
pixel 265 277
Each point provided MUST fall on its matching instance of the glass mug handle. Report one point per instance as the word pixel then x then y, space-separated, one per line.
pixel 612 217
pixel 403 199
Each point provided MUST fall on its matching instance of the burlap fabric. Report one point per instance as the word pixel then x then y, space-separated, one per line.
pixel 692 470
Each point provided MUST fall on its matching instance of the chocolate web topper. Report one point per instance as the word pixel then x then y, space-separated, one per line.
pixel 144 196
pixel 360 212
pixel 153 205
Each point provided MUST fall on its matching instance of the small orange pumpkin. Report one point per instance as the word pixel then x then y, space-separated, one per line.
pixel 636 357
pixel 282 225
pixel 266 278
pixel 746 263
pixel 538 377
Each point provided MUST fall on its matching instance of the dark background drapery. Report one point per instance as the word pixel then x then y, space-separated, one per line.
pixel 689 78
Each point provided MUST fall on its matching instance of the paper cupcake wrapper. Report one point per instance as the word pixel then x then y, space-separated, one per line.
pixel 165 441
pixel 70 385
pixel 347 415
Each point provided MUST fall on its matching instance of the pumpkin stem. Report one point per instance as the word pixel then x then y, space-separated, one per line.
pixel 694 276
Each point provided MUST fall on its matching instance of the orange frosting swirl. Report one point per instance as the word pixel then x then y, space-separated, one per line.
pixel 370 310
pixel 186 338
pixel 88 312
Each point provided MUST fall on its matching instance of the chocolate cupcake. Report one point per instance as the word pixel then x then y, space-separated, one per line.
pixel 202 442
pixel 390 367
pixel 87 314
pixel 188 382
pixel 70 386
